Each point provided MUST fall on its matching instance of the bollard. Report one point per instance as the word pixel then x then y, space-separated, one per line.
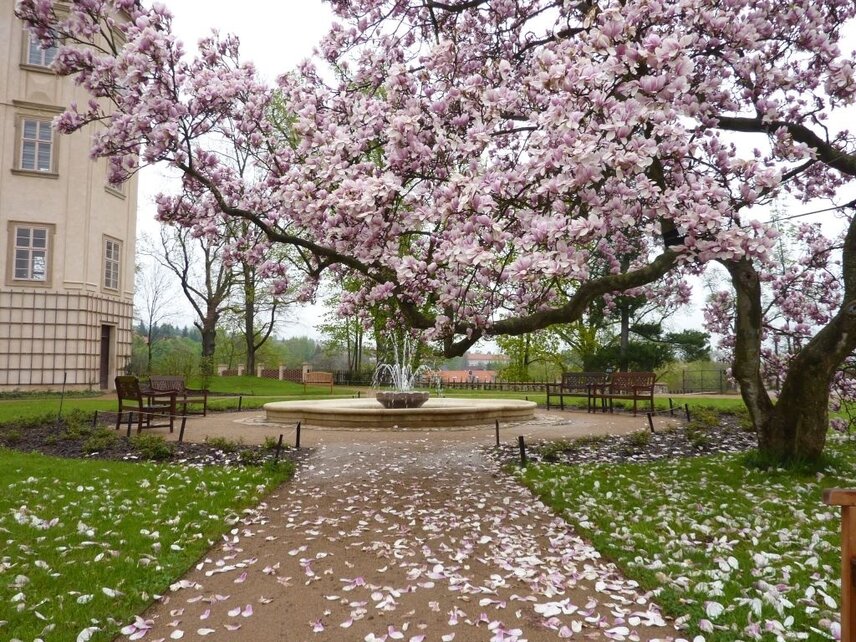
pixel 240 402
pixel 522 445
pixel 278 449
pixel 297 437
pixel 671 408
pixel 95 420
pixel 497 433
pixel 847 500
pixel 687 408
pixel 183 424
pixel 651 422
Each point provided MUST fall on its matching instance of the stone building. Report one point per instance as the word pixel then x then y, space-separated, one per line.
pixel 66 235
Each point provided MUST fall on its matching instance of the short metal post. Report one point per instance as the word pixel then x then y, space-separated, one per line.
pixel 847 500
pixel 671 408
pixel 61 397
pixel 687 408
pixel 278 448
pixel 522 445
pixel 497 433
pixel 183 424
pixel 297 438
pixel 95 420
pixel 651 422
pixel 240 402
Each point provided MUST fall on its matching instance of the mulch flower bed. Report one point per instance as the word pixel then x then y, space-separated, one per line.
pixel 74 436
pixel 692 440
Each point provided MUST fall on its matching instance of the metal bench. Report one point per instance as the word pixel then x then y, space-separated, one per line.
pixel 314 378
pixel 576 384
pixel 635 386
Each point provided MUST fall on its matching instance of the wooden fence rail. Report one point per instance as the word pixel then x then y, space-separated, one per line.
pixel 847 500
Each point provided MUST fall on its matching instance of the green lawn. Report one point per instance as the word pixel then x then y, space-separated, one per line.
pixel 88 543
pixel 268 387
pixel 744 554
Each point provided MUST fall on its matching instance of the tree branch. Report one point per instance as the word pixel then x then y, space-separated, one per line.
pixel 826 152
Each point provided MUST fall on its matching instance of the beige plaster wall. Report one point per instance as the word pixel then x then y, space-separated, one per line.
pixel 77 202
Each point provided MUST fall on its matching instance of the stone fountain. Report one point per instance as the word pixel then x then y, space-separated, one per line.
pixel 403 377
pixel 401 408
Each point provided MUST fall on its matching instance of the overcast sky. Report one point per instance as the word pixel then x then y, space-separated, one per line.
pixel 276 36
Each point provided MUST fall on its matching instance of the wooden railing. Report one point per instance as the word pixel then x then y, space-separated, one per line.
pixel 847 500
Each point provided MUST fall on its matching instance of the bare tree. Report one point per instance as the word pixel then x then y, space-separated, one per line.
pixel 205 279
pixel 153 302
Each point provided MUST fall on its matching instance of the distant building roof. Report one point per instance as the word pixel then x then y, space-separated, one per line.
pixel 485 357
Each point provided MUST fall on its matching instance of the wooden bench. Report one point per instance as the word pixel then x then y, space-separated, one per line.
pixel 317 378
pixel 576 384
pixel 635 386
pixel 183 395
pixel 131 401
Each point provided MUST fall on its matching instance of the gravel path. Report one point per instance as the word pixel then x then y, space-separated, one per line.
pixel 404 536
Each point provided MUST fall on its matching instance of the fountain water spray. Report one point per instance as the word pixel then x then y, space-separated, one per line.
pixel 403 376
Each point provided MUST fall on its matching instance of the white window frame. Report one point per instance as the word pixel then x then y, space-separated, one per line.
pixel 45 56
pixel 29 251
pixel 38 144
pixel 112 264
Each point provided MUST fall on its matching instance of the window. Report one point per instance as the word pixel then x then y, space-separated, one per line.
pixel 112 254
pixel 31 253
pixel 35 55
pixel 117 189
pixel 36 145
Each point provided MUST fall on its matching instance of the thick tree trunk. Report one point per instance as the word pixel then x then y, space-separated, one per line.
pixel 249 336
pixel 250 319
pixel 207 327
pixel 795 428
pixel 624 339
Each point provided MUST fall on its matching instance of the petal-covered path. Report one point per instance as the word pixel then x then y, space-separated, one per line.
pixel 406 538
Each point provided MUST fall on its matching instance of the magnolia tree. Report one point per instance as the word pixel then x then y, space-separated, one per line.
pixel 467 160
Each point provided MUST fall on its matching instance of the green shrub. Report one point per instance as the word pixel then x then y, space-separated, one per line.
pixel 100 440
pixel 698 436
pixel 11 436
pixel 226 445
pixel 552 450
pixel 590 440
pixel 152 446
pixel 639 439
pixel 270 443
pixel 702 418
pixel 250 457
pixel 283 468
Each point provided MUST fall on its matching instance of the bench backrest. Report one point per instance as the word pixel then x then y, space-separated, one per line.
pixel 164 383
pixel 582 380
pixel 318 377
pixel 128 389
pixel 626 382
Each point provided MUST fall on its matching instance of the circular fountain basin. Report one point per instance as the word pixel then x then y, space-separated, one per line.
pixel 397 399
pixel 368 413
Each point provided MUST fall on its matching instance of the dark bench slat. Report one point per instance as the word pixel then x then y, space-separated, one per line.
pixel 635 386
pixel 576 384
pixel 184 395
